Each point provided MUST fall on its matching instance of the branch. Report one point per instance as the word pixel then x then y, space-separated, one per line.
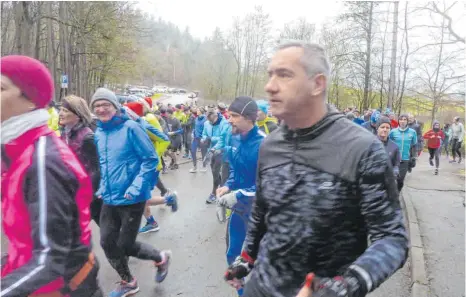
pixel 450 29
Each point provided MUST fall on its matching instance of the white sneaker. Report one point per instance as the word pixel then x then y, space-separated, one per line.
pixel 193 170
pixel 203 169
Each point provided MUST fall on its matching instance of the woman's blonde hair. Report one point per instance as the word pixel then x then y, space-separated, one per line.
pixel 78 106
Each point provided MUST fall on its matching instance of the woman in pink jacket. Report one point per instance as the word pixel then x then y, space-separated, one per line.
pixel 46 194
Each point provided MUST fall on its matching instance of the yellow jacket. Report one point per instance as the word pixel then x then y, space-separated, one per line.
pixel 180 115
pixel 160 144
pixel 53 120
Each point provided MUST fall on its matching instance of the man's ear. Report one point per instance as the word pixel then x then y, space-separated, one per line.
pixel 320 84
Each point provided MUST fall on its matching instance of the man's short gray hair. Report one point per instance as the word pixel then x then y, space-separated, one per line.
pixel 314 58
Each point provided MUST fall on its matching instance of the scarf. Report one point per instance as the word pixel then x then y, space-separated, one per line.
pixel 18 125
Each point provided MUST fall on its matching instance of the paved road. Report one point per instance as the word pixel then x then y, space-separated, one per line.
pixel 198 245
pixel 193 234
pixel 174 99
pixel 438 201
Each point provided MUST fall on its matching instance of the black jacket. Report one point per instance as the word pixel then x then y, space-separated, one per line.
pixel 321 193
pixel 393 154
pixel 189 125
pixel 81 140
pixel 369 127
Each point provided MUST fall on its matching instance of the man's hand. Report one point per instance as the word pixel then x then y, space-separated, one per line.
pixel 306 290
pixel 171 133
pixel 339 286
pixel 237 271
pixel 222 191
pixel 228 200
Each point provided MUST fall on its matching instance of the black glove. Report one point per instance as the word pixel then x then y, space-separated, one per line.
pixel 240 268
pixel 339 286
pixel 412 163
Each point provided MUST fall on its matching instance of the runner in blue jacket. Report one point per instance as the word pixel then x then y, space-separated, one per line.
pixel 239 190
pixel 128 164
pixel 406 139
pixel 215 135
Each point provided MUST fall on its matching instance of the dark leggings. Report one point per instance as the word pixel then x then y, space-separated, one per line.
pixel 161 187
pixel 404 166
pixel 435 153
pixel 187 143
pixel 455 148
pixel 96 208
pixel 216 167
pixel 119 227
pixel 163 163
pixel 195 144
pixel 225 172
pixel 445 146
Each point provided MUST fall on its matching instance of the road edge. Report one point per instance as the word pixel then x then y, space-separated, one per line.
pixel 419 283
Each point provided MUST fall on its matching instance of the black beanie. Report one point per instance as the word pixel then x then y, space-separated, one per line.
pixel 245 106
pixel 383 120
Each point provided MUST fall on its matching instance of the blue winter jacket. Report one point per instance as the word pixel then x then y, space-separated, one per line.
pixel 128 161
pixel 232 141
pixel 405 139
pixel 217 132
pixel 243 166
pixel 358 121
pixel 199 126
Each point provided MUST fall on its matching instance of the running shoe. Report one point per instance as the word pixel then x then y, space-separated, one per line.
pixel 124 289
pixel 211 199
pixel 171 199
pixel 162 268
pixel 154 227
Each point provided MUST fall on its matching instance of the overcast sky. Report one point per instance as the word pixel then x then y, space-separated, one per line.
pixel 202 16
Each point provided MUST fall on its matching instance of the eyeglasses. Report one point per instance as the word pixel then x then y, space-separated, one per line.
pixel 103 105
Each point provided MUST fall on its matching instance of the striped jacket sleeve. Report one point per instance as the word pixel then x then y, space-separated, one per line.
pixel 49 190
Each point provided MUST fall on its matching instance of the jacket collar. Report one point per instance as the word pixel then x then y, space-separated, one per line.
pixel 315 130
pixel 117 120
pixel 16 147
pixel 250 134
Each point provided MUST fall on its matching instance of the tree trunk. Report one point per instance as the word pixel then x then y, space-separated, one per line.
pixel 51 45
pixel 367 72
pixel 6 12
pixel 435 88
pixel 391 86
pixel 38 31
pixel 405 62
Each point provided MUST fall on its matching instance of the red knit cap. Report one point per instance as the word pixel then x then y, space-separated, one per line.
pixel 136 107
pixel 149 101
pixel 30 76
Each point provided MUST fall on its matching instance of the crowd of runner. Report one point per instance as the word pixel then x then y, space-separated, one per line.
pixel 300 186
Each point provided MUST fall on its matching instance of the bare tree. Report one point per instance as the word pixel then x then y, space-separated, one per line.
pixel 391 90
pixel 439 77
pixel 449 21
pixel 299 29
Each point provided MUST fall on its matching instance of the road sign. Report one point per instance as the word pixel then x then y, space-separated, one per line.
pixel 64 81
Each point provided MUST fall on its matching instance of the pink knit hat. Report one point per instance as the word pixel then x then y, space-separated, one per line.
pixel 30 76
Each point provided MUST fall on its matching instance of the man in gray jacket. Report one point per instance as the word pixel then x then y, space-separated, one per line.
pixel 324 186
